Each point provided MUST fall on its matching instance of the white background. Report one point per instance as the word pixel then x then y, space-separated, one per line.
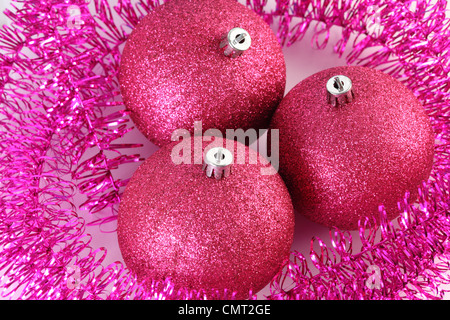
pixel 302 61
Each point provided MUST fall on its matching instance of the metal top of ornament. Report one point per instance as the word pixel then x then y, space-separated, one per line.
pixel 217 162
pixel 235 42
pixel 339 90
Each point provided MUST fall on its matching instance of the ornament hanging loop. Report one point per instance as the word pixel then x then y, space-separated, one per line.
pixel 217 163
pixel 235 42
pixel 339 90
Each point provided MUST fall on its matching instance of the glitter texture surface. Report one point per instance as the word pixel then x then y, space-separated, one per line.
pixel 204 233
pixel 341 163
pixel 173 72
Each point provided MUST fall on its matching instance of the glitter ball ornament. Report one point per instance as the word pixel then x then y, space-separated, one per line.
pixel 352 139
pixel 214 61
pixel 212 226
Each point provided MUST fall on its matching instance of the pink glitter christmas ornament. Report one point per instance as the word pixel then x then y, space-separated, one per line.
pixel 214 61
pixel 229 233
pixel 352 139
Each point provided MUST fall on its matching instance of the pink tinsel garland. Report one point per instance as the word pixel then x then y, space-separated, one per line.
pixel 62 115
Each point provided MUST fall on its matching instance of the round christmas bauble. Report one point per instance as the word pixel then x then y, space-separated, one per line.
pixel 223 224
pixel 352 139
pixel 214 61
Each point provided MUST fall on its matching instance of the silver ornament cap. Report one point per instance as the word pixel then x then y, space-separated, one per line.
pixel 339 90
pixel 217 162
pixel 235 42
